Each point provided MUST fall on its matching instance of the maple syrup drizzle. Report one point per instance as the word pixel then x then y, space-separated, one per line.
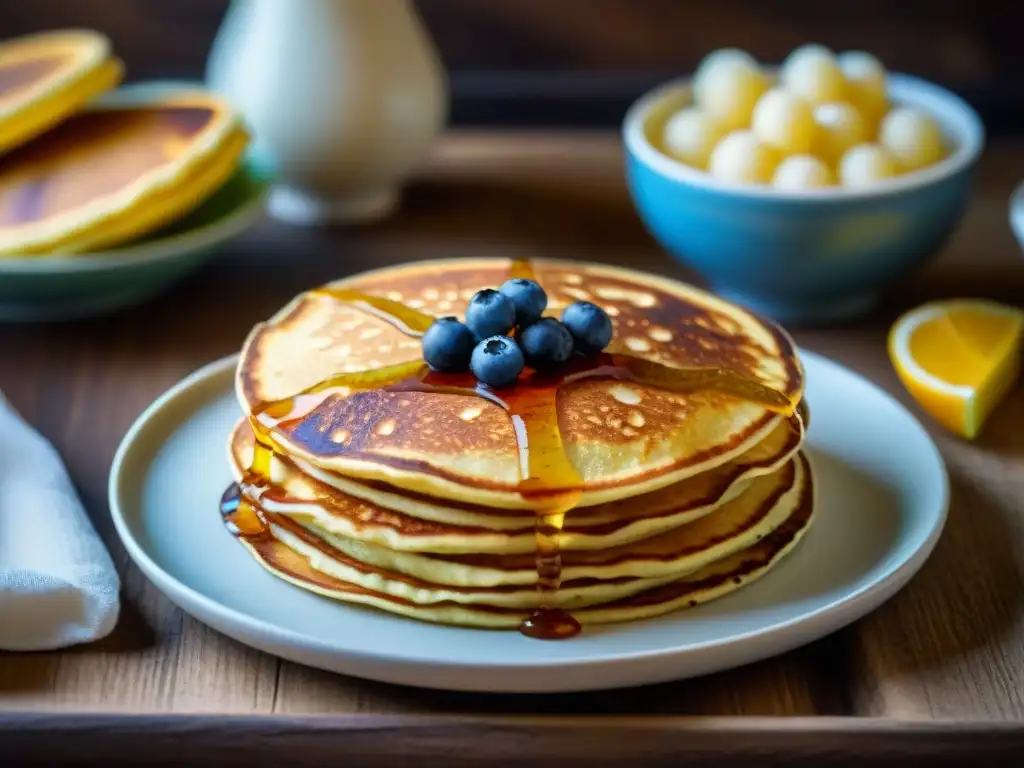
pixel 405 319
pixel 240 515
pixel 552 484
pixel 549 479
pixel 627 367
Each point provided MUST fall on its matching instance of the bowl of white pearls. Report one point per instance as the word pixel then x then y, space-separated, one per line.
pixel 803 191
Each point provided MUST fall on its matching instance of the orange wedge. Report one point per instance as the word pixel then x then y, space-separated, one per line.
pixel 958 359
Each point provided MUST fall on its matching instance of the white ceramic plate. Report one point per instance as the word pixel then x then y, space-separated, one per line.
pixel 883 494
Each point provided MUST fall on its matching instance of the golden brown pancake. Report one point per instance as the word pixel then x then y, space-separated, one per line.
pixel 45 78
pixel 624 438
pixel 735 525
pixel 115 173
pixel 297 566
pixel 426 527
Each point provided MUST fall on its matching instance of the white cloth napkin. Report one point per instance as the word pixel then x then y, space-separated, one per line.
pixel 58 585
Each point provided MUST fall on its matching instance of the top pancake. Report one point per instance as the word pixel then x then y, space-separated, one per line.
pixel 46 77
pixel 624 438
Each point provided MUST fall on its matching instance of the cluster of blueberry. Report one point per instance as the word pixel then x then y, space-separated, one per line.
pixel 482 343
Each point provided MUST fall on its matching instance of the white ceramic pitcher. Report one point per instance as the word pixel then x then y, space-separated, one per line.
pixel 344 98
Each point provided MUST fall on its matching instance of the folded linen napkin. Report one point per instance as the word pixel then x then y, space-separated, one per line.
pixel 58 585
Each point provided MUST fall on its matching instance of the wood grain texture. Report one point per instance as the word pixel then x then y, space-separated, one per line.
pixel 949 647
pixel 453 742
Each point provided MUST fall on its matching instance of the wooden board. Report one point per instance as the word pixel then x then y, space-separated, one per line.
pixel 948 648
pixel 453 742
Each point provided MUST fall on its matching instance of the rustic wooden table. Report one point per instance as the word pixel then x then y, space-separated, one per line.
pixel 939 670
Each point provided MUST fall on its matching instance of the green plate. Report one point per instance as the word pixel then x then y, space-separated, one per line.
pixel 73 287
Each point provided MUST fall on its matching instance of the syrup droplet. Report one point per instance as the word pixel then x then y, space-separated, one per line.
pixel 240 516
pixel 550 624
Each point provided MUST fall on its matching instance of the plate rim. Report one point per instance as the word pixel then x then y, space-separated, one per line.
pixel 776 638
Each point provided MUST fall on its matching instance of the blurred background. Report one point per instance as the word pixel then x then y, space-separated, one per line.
pixel 581 62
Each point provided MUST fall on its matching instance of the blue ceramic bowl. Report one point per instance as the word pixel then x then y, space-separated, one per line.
pixel 801 257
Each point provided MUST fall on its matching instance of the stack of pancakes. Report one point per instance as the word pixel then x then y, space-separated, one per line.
pixel 408 500
pixel 78 175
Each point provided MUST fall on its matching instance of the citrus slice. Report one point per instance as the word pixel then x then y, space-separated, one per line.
pixel 958 359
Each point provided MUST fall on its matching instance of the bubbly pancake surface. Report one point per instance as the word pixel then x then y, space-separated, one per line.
pixel 624 438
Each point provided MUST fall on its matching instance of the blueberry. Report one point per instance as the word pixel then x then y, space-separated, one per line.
pixel 448 345
pixel 589 325
pixel 546 344
pixel 528 298
pixel 496 361
pixel 490 313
